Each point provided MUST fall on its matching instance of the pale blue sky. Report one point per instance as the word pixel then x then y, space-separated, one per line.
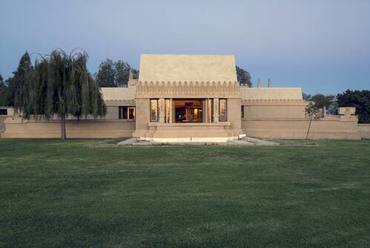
pixel 320 45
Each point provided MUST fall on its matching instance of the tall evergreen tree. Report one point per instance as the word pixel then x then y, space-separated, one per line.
pixel 244 78
pixel 22 84
pixel 3 92
pixel 9 100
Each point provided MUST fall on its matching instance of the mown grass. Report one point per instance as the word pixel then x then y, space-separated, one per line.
pixel 81 194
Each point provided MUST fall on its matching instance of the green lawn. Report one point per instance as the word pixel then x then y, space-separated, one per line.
pixel 87 193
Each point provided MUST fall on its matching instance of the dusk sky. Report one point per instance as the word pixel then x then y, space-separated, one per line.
pixel 319 45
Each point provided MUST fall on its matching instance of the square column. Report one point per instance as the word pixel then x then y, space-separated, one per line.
pixel 215 110
pixel 205 110
pixel 161 110
pixel 172 111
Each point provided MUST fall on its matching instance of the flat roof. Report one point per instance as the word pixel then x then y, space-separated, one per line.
pixel 180 68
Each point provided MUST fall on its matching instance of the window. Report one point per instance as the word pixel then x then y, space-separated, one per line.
pixel 242 111
pixel 126 113
pixel 131 113
pixel 3 112
pixel 222 110
pixel 188 110
pixel 154 110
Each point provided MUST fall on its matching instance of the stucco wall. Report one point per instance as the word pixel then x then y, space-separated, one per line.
pixel 297 129
pixel 234 115
pixel 286 119
pixel 329 128
pixel 364 130
pixel 142 117
pixel 274 112
pixel 18 128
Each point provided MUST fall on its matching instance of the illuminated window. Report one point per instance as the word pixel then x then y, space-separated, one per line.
pixel 154 110
pixel 222 110
pixel 126 113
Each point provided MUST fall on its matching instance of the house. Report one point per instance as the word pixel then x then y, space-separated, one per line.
pixel 194 98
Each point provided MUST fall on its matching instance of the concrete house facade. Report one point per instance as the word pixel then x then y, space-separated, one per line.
pixel 194 98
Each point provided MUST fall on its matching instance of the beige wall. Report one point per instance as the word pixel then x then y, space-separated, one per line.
pixel 142 117
pixel 284 111
pixel 234 115
pixel 364 130
pixel 75 129
pixel 327 128
pixel 286 119
pixel 112 113
pixel 297 129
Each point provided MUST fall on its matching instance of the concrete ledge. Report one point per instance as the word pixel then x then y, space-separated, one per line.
pixel 191 139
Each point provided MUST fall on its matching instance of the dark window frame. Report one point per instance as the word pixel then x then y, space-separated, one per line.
pixel 124 113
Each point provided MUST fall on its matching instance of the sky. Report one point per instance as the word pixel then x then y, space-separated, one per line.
pixel 322 46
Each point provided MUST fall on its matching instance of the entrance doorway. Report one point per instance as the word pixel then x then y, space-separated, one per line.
pixel 188 110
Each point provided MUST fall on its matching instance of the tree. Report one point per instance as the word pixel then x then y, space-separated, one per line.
pixel 322 101
pixel 243 77
pixel 21 84
pixel 135 73
pixel 9 101
pixel 358 99
pixel 312 111
pixel 60 85
pixel 106 74
pixel 114 74
pixel 71 89
pixel 3 92
pixel 121 73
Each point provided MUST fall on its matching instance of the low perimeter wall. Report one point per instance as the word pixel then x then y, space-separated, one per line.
pixel 18 128
pixel 327 128
pixel 364 130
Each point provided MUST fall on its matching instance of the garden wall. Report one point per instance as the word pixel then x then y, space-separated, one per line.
pixel 20 128
pixel 364 130
pixel 339 127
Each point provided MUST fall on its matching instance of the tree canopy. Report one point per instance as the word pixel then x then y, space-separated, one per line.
pixel 114 74
pixel 322 101
pixel 106 74
pixel 3 92
pixel 244 78
pixel 58 85
pixel 22 82
pixel 122 73
pixel 360 99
